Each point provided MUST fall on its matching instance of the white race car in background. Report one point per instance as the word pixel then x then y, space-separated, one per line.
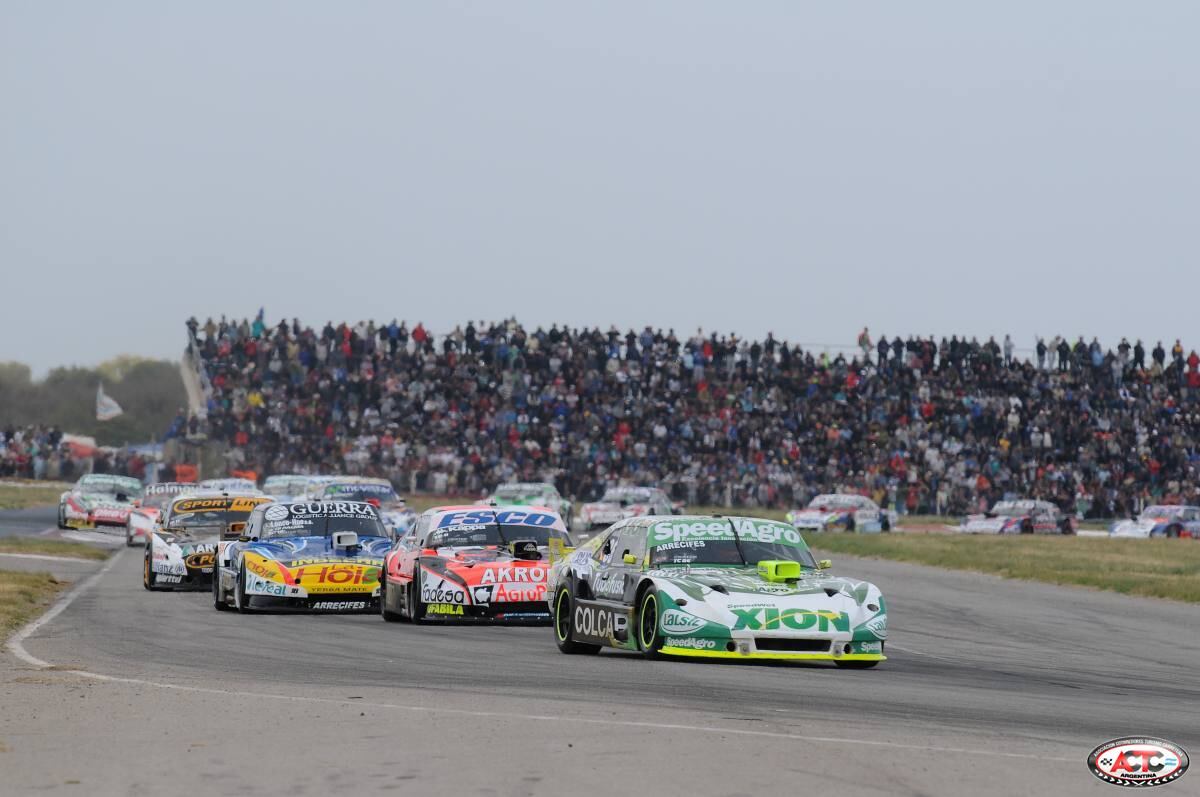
pixel 393 510
pixel 619 503
pixel 1160 521
pixel 143 518
pixel 842 512
pixel 1023 516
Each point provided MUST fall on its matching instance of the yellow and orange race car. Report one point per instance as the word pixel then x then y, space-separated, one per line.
pixel 481 563
pixel 318 556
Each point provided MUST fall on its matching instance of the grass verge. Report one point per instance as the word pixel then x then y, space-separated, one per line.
pixel 1154 568
pixel 40 545
pixel 23 497
pixel 23 596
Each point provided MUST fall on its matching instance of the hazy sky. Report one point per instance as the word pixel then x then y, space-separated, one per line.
pixel 800 167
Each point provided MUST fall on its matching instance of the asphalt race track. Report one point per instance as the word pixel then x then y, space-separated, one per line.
pixel 993 687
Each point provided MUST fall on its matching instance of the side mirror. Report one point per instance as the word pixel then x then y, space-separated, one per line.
pixel 629 559
pixel 825 564
pixel 244 538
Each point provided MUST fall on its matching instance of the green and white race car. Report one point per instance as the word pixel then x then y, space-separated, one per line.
pixel 712 587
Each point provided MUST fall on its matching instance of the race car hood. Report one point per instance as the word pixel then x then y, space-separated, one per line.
pixel 720 599
pixel 297 567
pixel 484 575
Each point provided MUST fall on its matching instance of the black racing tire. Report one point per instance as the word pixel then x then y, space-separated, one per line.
pixel 1066 527
pixel 387 614
pixel 416 607
pixel 62 517
pixel 856 665
pixel 148 577
pixel 240 601
pixel 885 524
pixel 649 640
pixel 1173 531
pixel 129 543
pixel 219 602
pixel 1027 527
pixel 851 526
pixel 564 627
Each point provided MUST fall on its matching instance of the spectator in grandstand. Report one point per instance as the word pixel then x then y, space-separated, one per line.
pixel 712 418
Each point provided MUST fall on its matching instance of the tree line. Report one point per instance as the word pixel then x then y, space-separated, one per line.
pixel 150 392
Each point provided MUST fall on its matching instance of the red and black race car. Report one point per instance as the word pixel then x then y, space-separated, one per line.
pixel 481 563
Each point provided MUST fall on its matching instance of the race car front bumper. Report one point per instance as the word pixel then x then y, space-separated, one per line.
pixel 505 612
pixel 775 649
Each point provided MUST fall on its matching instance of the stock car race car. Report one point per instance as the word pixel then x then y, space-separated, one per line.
pixel 844 511
pixel 181 550
pixel 713 587
pixel 317 556
pixel 619 503
pixel 393 510
pixel 1160 521
pixel 474 563
pixel 98 499
pixel 531 494
pixel 144 516
pixel 1019 517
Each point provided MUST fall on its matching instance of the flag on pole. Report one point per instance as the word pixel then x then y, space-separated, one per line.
pixel 106 408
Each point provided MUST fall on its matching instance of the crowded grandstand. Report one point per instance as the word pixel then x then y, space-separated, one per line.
pixel 920 426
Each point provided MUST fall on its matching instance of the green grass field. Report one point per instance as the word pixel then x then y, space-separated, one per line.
pixel 14 497
pixel 44 547
pixel 1155 568
pixel 24 596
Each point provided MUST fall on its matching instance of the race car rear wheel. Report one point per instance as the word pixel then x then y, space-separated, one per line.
pixel 148 578
pixel 648 639
pixel 414 604
pixel 384 612
pixel 564 629
pixel 1173 530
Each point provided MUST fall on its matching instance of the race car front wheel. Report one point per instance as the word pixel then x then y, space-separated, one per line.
pixel 62 517
pixel 147 571
pixel 648 639
pixel 564 627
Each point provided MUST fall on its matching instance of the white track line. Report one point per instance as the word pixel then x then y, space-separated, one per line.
pixel 16 642
pixel 47 557
pixel 17 647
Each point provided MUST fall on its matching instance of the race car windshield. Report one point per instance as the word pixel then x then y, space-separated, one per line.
pixel 725 552
pixel 484 534
pixel 211 517
pixel 624 498
pixel 366 492
pixel 132 489
pixel 322 526
pixel 517 496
